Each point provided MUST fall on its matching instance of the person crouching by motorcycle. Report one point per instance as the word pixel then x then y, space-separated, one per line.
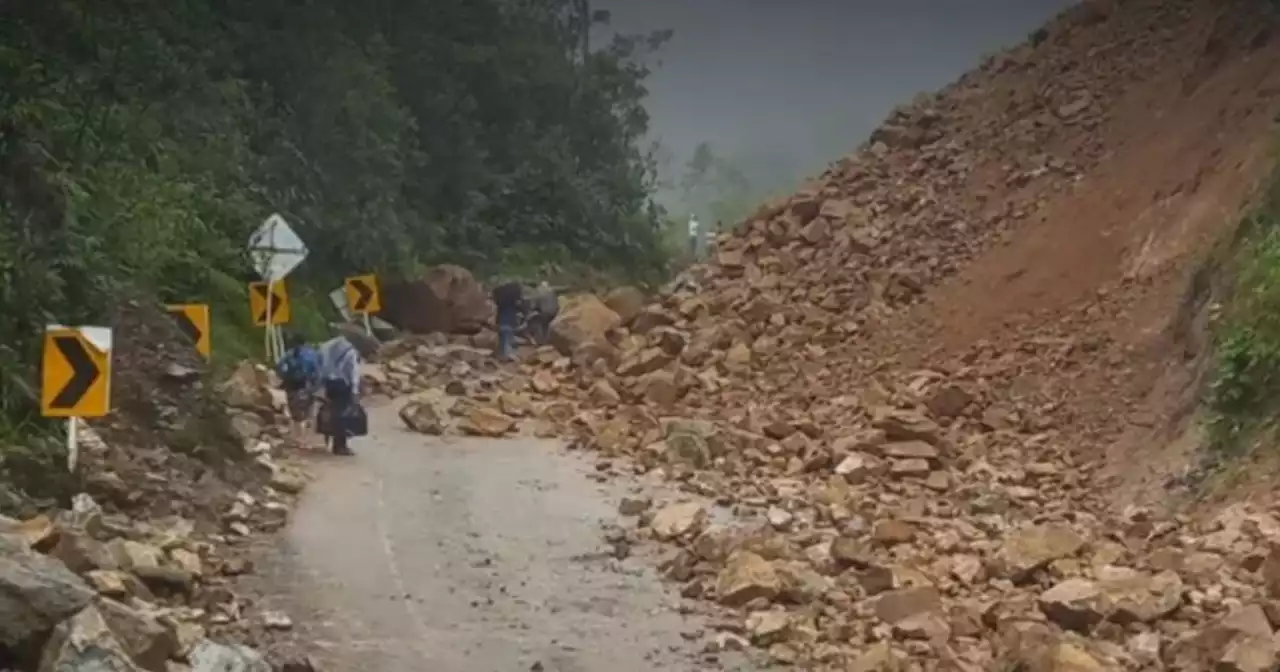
pixel 340 382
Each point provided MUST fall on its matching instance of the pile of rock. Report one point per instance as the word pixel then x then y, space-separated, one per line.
pixel 84 589
pixel 453 389
pixel 892 542
pixel 904 520
pixel 141 581
pixel 891 520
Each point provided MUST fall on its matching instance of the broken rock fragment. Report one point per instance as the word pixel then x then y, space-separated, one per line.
pixel 747 577
pixel 85 642
pixel 36 592
pixel 1030 548
pixel 678 520
pixel 422 417
pixel 486 422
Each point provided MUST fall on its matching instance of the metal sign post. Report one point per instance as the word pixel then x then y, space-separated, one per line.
pixel 73 443
pixel 269 332
pixel 75 379
pixel 276 250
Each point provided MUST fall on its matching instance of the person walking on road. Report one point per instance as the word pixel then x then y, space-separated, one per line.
pixel 340 378
pixel 299 372
pixel 509 300
pixel 546 305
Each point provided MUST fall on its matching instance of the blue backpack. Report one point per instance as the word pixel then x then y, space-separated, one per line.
pixel 299 367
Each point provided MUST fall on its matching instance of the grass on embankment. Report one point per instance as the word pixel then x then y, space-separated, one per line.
pixel 1243 398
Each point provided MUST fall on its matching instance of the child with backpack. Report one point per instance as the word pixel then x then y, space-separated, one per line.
pixel 299 371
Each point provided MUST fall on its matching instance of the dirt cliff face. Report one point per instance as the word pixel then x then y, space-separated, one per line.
pixel 1030 230
pixel 937 378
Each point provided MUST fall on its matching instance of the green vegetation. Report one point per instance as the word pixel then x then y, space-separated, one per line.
pixel 142 141
pixel 717 190
pixel 1244 394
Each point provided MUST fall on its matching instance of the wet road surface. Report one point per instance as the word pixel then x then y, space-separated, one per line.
pixel 444 554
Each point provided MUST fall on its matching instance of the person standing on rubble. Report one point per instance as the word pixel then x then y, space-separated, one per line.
pixel 694 231
pixel 508 299
pixel 546 305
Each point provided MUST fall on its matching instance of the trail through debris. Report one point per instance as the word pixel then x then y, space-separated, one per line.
pixel 467 554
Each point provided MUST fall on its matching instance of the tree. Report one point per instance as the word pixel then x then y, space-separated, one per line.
pixel 714 188
pixel 140 142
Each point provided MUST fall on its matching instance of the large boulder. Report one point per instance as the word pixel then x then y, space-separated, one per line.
pixel 85 642
pixel 141 634
pixel 36 592
pixel 365 343
pixel 208 656
pixel 626 301
pixel 583 319
pixel 746 577
pixel 445 299
pixel 420 416
pixel 248 387
pixel 1027 549
pixel 1241 641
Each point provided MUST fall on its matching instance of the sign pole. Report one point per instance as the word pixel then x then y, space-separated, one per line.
pixel 368 326
pixel 73 444
pixel 270 342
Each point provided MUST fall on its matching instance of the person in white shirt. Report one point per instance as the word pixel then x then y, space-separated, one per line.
pixel 340 380
pixel 693 236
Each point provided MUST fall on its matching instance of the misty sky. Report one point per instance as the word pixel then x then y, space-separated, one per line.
pixel 794 84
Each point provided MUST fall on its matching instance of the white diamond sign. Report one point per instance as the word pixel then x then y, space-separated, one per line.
pixel 275 249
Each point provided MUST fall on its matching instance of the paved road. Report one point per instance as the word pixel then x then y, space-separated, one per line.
pixel 460 554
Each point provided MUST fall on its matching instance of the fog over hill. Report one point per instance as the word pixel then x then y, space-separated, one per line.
pixel 779 89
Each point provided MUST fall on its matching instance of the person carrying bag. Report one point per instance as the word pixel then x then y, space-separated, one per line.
pixel 343 416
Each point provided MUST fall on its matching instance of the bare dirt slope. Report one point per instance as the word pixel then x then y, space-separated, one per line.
pixel 1032 231
pixel 1087 302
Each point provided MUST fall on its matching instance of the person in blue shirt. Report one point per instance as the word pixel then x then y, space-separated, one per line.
pixel 299 371
pixel 340 380
pixel 508 298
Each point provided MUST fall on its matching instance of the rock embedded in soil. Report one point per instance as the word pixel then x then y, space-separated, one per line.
pixel 747 577
pixel 678 520
pixel 85 642
pixel 1030 548
pixel 486 422
pixel 148 642
pixel 36 592
pixel 422 417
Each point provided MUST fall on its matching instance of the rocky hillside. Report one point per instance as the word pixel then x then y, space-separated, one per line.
pixel 138 571
pixel 921 384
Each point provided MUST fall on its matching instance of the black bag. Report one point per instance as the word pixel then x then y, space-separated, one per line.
pixel 352 420
pixel 355 420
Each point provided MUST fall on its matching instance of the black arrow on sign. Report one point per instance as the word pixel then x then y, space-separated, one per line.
pixel 186 325
pixel 276 302
pixel 364 295
pixel 84 372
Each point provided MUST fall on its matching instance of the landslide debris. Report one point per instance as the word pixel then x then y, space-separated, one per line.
pixel 886 518
pixel 138 573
